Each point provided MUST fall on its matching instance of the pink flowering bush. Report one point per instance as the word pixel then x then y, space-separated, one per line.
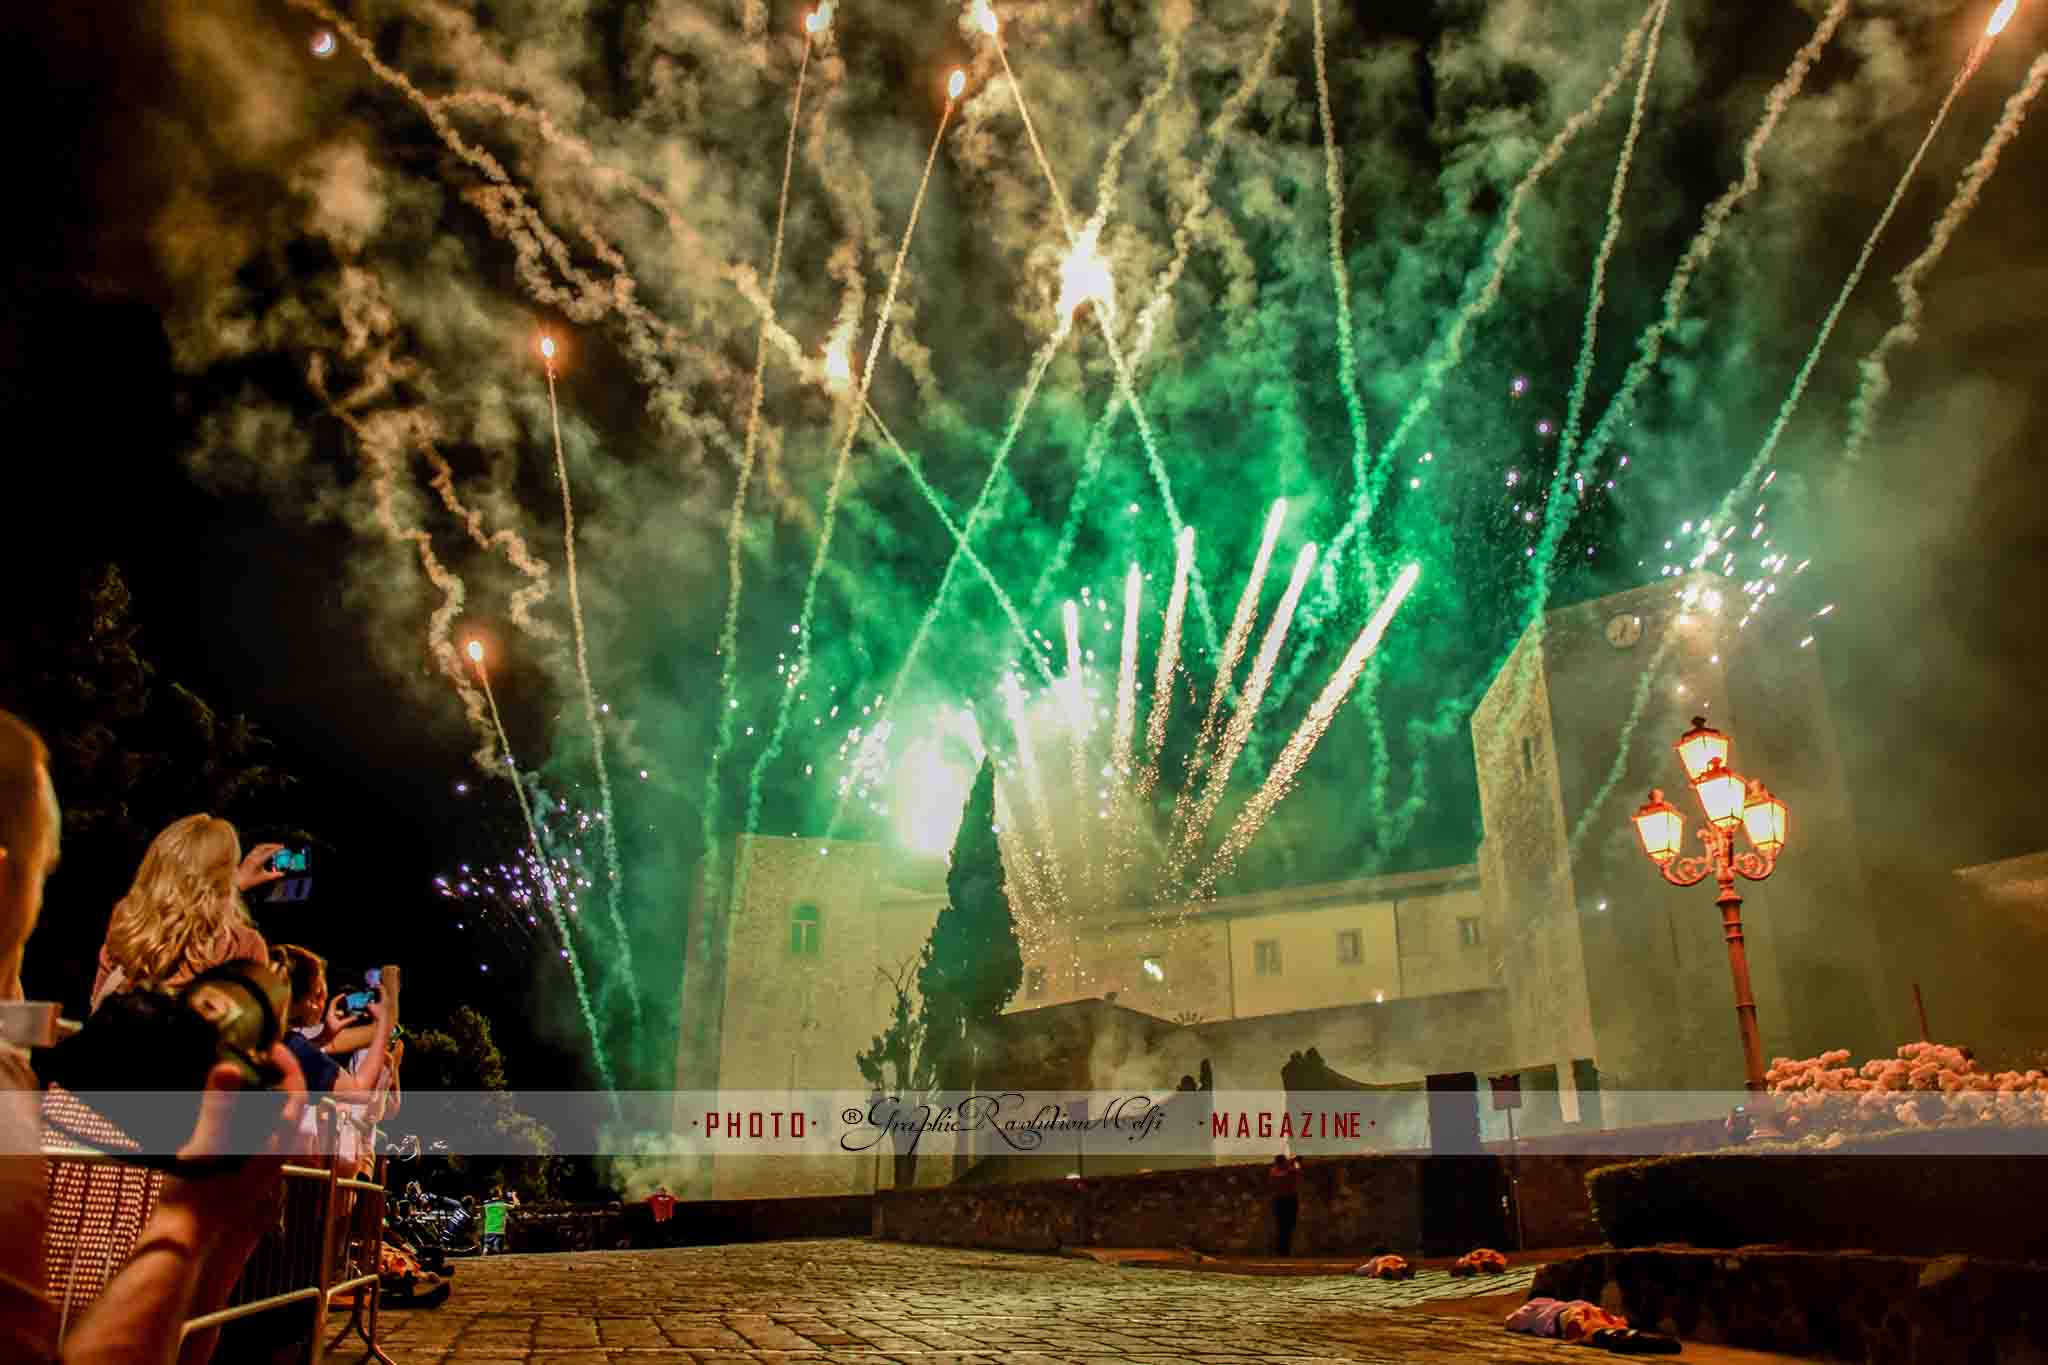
pixel 1927 1085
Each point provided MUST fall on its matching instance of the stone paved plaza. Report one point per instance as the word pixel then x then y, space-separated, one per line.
pixel 868 1302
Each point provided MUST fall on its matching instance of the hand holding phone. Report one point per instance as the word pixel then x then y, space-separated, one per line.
pixel 289 860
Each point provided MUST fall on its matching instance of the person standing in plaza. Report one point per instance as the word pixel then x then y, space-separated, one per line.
pixel 1284 1180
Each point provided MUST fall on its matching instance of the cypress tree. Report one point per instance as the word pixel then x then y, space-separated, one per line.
pixel 972 965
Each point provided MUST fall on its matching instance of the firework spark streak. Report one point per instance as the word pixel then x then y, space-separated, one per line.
pixel 550 894
pixel 1876 382
pixel 1169 664
pixel 961 547
pixel 1241 720
pixel 1034 788
pixel 1340 277
pixel 1103 311
pixel 1287 767
pixel 1255 72
pixel 1747 483
pixel 1074 699
pixel 615 886
pixel 728 635
pixel 1226 668
pixel 1121 772
pixel 839 468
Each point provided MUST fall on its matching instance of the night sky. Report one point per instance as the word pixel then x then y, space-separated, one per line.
pixel 206 207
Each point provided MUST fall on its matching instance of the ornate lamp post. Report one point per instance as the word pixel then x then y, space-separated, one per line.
pixel 1728 801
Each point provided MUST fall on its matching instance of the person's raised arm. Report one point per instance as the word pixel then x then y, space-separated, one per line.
pixel 384 1016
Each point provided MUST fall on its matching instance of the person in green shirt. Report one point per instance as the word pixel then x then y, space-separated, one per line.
pixel 496 1214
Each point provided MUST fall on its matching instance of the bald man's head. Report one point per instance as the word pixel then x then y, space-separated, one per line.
pixel 28 835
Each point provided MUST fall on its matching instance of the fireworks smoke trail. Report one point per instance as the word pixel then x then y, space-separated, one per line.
pixel 1650 346
pixel 1619 767
pixel 1103 311
pixel 1747 483
pixel 1247 712
pixel 1557 515
pixel 1169 665
pixel 1233 651
pixel 514 545
pixel 616 886
pixel 1451 349
pixel 1287 767
pixel 1596 295
pixel 540 856
pixel 377 437
pixel 728 635
pixel 1255 73
pixel 810 602
pixel 1876 381
pixel 1340 276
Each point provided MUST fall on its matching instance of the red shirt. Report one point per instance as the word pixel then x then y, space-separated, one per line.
pixel 1284 1178
pixel 662 1204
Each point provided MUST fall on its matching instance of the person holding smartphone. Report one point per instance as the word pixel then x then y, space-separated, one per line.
pixel 307 972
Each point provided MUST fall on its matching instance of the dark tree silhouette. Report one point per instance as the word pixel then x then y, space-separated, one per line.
pixel 128 756
pixel 972 965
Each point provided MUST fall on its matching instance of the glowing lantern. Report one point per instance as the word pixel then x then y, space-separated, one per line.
pixel 1720 792
pixel 1701 747
pixel 1763 815
pixel 1660 827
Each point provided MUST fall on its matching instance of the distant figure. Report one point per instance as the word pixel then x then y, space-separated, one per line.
pixel 1285 1179
pixel 662 1204
pixel 1740 1126
pixel 497 1213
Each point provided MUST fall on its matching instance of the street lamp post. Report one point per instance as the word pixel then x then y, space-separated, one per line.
pixel 1727 801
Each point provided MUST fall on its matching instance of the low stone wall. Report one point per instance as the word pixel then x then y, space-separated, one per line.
pixel 720 1222
pixel 708 1222
pixel 1346 1206
pixel 1834 1305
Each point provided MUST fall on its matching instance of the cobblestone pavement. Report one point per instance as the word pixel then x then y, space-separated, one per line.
pixel 866 1303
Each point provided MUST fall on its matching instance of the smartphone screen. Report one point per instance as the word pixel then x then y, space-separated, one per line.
pixel 374 977
pixel 289 860
pixel 357 1001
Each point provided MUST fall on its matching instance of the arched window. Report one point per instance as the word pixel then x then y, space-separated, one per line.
pixel 803 930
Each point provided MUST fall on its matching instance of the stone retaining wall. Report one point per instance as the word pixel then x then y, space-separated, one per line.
pixel 1835 1305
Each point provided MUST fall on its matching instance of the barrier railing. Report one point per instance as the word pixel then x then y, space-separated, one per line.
pixel 326 1246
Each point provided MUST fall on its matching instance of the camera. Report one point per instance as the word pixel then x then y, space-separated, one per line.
pixel 142 1059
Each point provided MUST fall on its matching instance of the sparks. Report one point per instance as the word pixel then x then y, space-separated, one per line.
pixel 1084 275
pixel 2000 17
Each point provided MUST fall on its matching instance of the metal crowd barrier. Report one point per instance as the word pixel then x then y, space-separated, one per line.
pixel 326 1246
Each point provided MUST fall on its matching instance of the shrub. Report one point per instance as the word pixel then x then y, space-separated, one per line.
pixel 1926 1085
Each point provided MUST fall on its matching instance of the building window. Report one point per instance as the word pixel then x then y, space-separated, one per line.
pixel 1528 756
pixel 1034 983
pixel 1350 947
pixel 803 930
pixel 1468 932
pixel 1266 957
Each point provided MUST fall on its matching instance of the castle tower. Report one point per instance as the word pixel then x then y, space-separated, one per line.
pixel 1603 958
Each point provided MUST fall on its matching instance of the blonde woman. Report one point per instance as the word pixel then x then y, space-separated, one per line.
pixel 184 913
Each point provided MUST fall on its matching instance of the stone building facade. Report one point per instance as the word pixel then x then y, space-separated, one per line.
pixel 1559 954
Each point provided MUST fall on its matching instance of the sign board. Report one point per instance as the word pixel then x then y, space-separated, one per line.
pixel 1507 1092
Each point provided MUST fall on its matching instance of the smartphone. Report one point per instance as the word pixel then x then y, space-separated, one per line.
pixel 358 1002
pixel 288 860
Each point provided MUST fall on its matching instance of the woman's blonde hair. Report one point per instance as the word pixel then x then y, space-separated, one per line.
pixel 183 906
